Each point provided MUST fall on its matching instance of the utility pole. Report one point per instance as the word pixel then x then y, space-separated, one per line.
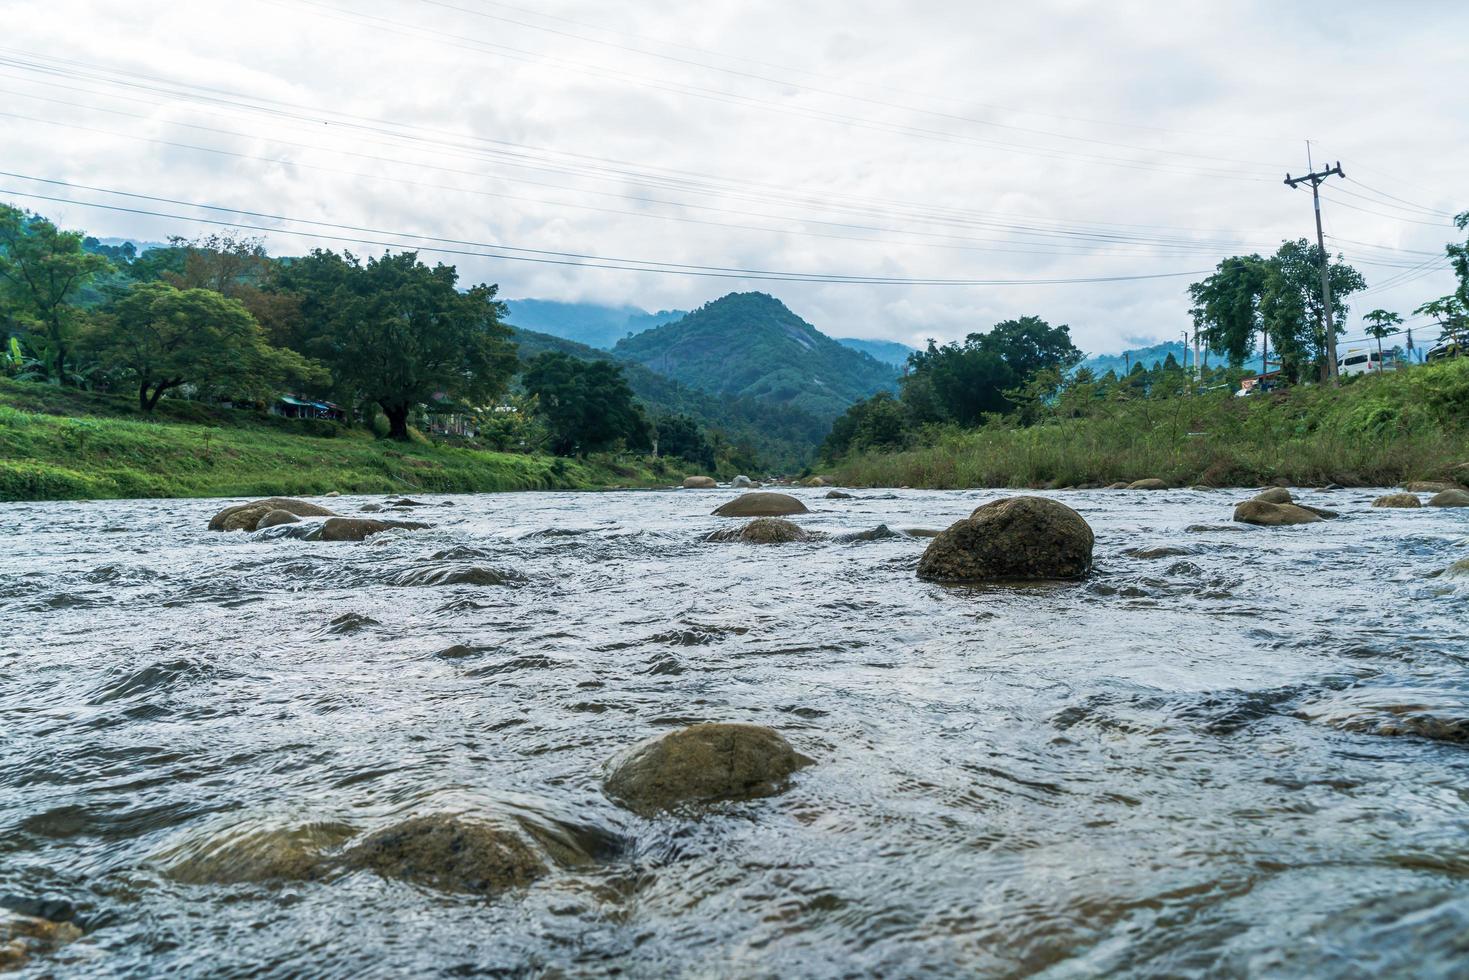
pixel 1198 367
pixel 1316 180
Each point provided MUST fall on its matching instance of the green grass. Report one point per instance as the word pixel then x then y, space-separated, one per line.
pixel 62 444
pixel 1411 425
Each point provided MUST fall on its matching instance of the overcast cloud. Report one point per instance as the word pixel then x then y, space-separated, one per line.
pixel 913 140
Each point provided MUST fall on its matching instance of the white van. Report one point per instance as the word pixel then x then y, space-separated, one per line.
pixel 1362 361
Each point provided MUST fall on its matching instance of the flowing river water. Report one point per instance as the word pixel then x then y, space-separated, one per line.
pixel 1233 751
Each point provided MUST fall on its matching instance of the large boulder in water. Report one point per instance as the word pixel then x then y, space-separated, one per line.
pixel 699 483
pixel 763 530
pixel 450 853
pixel 1449 498
pixel 702 764
pixel 1013 538
pixel 742 482
pixel 1148 484
pixel 246 517
pixel 1273 515
pixel 24 936
pixel 762 503
pixel 1407 500
pixel 359 528
pixel 1275 495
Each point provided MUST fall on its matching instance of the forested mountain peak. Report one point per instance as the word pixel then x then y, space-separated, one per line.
pixel 752 345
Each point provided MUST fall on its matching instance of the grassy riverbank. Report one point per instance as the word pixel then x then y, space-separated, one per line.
pixel 1410 425
pixel 64 444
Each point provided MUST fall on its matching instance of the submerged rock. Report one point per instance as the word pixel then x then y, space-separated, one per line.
pixel 762 503
pixel 1149 484
pixel 24 936
pixel 253 853
pixel 457 575
pixel 839 495
pixel 1275 495
pixel 922 532
pixel 1013 538
pixel 1273 515
pixel 450 853
pixel 699 483
pixel 1407 500
pixel 700 764
pixel 1161 551
pixel 1449 498
pixel 1440 714
pixel 359 528
pixel 246 517
pixel 1119 485
pixel 1428 486
pixel 763 530
pixel 276 518
pixel 880 533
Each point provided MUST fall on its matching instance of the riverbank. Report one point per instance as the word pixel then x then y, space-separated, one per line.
pixel 58 444
pixel 1372 431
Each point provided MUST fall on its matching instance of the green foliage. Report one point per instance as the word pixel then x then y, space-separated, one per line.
pixel 750 346
pixel 586 405
pixel 43 272
pixel 1291 304
pixel 680 436
pixel 1227 305
pixel 396 333
pixel 160 338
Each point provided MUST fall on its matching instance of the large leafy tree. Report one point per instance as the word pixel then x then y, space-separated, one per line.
pixel 43 272
pixel 1450 315
pixel 1227 305
pixel 586 405
pixel 681 436
pixel 396 333
pixel 962 382
pixel 162 338
pixel 1459 256
pixel 1292 307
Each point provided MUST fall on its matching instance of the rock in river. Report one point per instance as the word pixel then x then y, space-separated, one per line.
pixel 23 936
pixel 702 764
pixel 254 852
pixel 1427 486
pixel 450 853
pixel 275 518
pixel 246 517
pixel 742 482
pixel 1398 500
pixel 763 503
pixel 699 483
pixel 1013 538
pixel 1149 484
pixel 1273 515
pixel 359 528
pixel 1275 495
pixel 1449 498
pixel 839 495
pixel 762 530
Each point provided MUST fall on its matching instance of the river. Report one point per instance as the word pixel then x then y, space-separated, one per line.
pixel 1233 751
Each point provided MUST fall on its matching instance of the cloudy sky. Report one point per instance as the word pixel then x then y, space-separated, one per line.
pixel 977 158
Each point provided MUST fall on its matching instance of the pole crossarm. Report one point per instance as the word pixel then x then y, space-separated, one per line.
pixel 1328 334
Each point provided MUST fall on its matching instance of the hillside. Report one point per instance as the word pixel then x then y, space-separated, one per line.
pixel 782 438
pixel 749 345
pixel 1100 364
pixel 886 351
pixel 586 323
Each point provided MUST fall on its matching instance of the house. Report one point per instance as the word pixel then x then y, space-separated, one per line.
pixel 293 407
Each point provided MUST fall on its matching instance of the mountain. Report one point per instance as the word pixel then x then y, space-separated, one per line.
pixel 780 437
pixel 1148 356
pixel 886 351
pixel 749 345
pixel 586 323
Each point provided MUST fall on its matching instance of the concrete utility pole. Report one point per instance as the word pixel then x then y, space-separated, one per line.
pixel 1316 180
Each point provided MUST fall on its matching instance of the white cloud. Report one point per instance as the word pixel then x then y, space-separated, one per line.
pixel 537 139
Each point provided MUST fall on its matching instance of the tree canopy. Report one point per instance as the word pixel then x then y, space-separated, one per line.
pixel 586 405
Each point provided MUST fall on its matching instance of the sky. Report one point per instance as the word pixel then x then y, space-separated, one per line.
pixel 1078 161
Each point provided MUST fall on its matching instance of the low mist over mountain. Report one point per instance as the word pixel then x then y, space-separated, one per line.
pixel 749 345
pixel 886 351
pixel 586 323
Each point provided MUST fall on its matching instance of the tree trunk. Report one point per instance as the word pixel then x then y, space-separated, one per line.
pixel 397 421
pixel 143 396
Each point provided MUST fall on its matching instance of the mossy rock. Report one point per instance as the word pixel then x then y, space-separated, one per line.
pixel 1013 538
pixel 702 764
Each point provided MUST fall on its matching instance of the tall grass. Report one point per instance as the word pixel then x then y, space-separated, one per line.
pixel 1371 431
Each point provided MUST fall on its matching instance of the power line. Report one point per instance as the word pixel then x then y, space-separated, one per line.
pixel 523 254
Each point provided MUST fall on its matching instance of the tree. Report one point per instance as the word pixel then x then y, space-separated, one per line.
pixel 1449 312
pixel 1459 256
pixel 397 333
pixel 1380 323
pixel 42 272
pixel 962 382
pixel 1292 308
pixel 587 405
pixel 1227 306
pixel 680 435
pixel 163 338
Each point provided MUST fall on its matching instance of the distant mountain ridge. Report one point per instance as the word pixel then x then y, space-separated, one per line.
pixel 586 323
pixel 751 346
pixel 886 351
pixel 1100 364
